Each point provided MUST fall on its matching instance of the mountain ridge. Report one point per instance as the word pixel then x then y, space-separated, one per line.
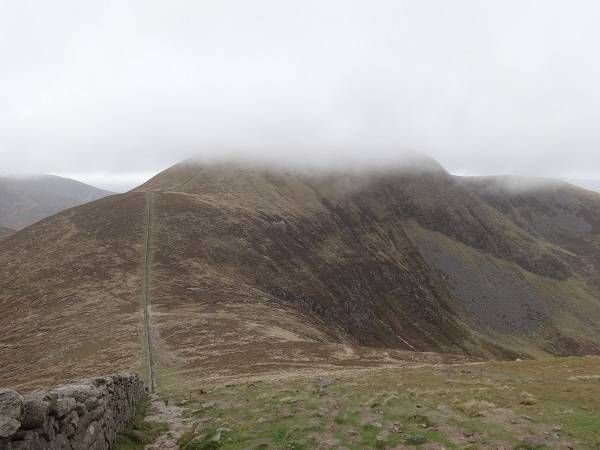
pixel 253 269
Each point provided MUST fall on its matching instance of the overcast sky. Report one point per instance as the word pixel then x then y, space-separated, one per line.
pixel 114 91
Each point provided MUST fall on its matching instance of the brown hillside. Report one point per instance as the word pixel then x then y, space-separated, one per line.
pixel 5 232
pixel 249 270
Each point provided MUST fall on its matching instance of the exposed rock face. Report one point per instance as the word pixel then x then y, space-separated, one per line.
pixel 85 415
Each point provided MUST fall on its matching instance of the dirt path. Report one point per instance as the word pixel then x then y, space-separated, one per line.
pixel 146 295
pixel 160 411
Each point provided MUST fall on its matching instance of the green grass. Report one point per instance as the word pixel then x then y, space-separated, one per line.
pixel 530 447
pixel 488 429
pixel 140 432
pixel 585 424
pixel 415 439
pixel 412 407
pixel 347 418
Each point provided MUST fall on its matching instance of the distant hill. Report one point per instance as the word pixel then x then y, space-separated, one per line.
pixel 28 199
pixel 247 270
pixel 5 232
pixel 591 184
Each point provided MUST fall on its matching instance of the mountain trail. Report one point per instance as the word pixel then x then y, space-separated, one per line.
pixel 172 415
pixel 146 295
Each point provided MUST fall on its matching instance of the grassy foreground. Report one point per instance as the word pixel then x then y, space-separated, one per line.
pixel 553 403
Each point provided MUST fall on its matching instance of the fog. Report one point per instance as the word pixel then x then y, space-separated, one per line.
pixel 112 92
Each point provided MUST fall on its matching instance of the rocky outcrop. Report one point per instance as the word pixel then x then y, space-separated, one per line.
pixel 87 414
pixel 11 412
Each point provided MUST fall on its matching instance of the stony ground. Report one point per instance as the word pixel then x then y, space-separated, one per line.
pixel 552 404
pixel 160 411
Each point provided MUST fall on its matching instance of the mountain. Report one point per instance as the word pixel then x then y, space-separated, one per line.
pixel 228 270
pixel 591 184
pixel 5 232
pixel 28 199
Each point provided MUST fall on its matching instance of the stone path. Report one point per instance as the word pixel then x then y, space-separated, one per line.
pixel 172 415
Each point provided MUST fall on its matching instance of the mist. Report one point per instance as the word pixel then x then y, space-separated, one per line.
pixel 113 92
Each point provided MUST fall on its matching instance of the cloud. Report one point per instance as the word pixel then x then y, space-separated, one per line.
pixel 132 87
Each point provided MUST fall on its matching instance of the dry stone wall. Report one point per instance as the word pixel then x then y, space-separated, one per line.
pixel 87 414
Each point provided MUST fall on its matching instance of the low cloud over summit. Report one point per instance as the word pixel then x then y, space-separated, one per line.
pixel 115 89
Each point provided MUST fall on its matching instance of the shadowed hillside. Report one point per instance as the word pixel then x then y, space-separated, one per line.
pixel 25 200
pixel 246 271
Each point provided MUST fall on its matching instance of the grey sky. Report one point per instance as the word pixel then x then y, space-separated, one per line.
pixel 115 91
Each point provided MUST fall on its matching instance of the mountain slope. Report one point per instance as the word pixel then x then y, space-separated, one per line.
pixel 250 270
pixel 5 232
pixel 26 200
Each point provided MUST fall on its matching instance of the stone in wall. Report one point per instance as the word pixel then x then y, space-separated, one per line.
pixel 87 414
